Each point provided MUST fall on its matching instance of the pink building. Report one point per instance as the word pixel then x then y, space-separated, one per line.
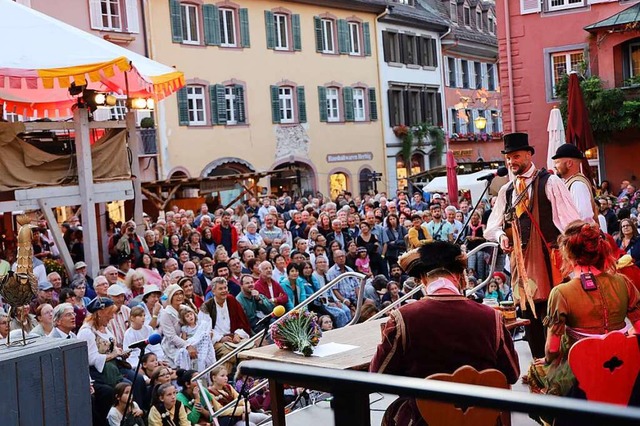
pixel 540 41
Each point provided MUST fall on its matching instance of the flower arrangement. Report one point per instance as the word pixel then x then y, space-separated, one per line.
pixel 53 265
pixel 401 131
pixel 297 332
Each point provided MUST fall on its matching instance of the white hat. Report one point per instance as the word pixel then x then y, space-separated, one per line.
pixel 115 290
pixel 150 288
pixel 79 265
pixel 171 290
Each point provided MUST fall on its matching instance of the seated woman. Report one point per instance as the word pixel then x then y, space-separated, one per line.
pixel 294 286
pixel 424 337
pixel 595 302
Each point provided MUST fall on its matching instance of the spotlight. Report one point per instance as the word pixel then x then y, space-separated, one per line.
pixel 141 103
pixel 151 103
pixel 111 100
pixel 100 98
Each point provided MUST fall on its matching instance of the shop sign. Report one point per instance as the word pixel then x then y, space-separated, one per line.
pixel 353 156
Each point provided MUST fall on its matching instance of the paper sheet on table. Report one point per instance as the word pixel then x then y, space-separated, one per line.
pixel 332 348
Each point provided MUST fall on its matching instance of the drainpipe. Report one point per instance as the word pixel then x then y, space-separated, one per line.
pixel 507 25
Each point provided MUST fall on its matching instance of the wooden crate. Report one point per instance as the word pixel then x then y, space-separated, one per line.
pixel 45 383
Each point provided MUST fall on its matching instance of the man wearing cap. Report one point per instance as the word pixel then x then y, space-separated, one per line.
pixel 80 268
pixel 45 295
pixel 534 208
pixel 151 305
pixel 567 164
pixel 120 321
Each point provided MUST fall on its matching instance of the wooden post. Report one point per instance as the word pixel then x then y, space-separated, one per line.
pixel 134 146
pixel 276 390
pixel 58 237
pixel 87 195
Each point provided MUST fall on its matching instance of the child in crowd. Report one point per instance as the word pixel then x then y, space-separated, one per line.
pixel 148 365
pixel 223 393
pixel 166 409
pixel 363 262
pixel 492 291
pixel 198 337
pixel 503 286
pixel 122 391
pixel 325 323
pixel 136 332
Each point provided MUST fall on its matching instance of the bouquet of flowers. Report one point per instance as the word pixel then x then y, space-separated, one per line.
pixel 297 332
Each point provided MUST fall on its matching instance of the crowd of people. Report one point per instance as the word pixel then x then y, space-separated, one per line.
pixel 204 280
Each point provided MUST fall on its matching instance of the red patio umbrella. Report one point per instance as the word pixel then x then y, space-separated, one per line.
pixel 578 130
pixel 452 179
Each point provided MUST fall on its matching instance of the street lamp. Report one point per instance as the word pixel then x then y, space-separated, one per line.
pixel 480 123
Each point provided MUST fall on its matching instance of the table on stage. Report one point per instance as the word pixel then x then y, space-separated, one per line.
pixel 366 336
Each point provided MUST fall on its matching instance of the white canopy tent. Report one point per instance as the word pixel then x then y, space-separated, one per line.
pixel 36 71
pixel 466 182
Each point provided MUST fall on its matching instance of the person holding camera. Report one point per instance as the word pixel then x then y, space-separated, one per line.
pixel 130 245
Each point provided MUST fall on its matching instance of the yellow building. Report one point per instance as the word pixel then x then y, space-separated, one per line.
pixel 287 85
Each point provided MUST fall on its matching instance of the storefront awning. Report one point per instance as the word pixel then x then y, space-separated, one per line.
pixel 625 20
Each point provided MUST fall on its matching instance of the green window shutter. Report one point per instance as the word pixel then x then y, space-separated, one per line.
pixel 183 107
pixel 343 36
pixel 218 104
pixel 322 103
pixel 302 105
pixel 275 104
pixel 373 105
pixel 176 21
pixel 434 52
pixel 319 34
pixel 239 105
pixel 211 19
pixel 245 39
pixel 367 39
pixel 297 38
pixel 347 96
pixel 270 27
pixel 439 120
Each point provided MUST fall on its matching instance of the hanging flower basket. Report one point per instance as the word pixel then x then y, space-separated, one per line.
pixel 401 131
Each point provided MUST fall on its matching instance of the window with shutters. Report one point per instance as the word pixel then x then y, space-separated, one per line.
pixel 454 122
pixel 359 105
pixel 190 24
pixel 333 104
pixel 391 45
pixel 412 105
pixel 354 39
pixel 281 27
pixel 477 67
pixel 491 77
pixel 227 28
pixel 553 5
pixel 563 63
pixel 196 101
pixel 328 39
pixel 231 105
pixel 634 59
pixel 114 15
pixel 428 52
pixel 285 96
pixel 396 107
pixel 410 49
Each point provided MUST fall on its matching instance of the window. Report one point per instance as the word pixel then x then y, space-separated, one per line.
pixel 190 32
pixel 333 102
pixel 496 121
pixel 359 109
pixel 119 110
pixel 564 4
pixel 354 38
pixel 111 14
pixel 396 107
pixel 634 59
pixel 491 77
pixel 230 103
pixel 453 11
pixel 410 49
pixel 564 63
pixel 196 105
pixel 452 72
pixel 415 107
pixel 465 74
pixel 469 120
pixel 281 32
pixel 428 52
pixel 467 16
pixel 227 28
pixel 479 20
pixel 492 24
pixel 407 2
pixel 285 95
pixel 477 66
pixel 455 122
pixel 328 45
pixel 423 105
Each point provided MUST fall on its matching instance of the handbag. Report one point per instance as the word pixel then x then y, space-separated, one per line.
pixel 131 420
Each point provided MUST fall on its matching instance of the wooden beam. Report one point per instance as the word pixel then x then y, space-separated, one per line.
pixel 69 125
pixel 134 146
pixel 170 196
pixel 157 201
pixel 58 237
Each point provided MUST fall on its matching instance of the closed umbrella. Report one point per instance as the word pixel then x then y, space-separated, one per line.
pixel 579 130
pixel 555 127
pixel 452 179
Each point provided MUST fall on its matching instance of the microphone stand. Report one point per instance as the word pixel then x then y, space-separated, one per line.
pixel 135 376
pixel 464 227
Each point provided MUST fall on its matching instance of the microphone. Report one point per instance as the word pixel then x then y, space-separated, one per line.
pixel 502 171
pixel 153 339
pixel 277 312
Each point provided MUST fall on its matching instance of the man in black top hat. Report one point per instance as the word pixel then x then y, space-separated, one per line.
pixel 567 162
pixel 532 210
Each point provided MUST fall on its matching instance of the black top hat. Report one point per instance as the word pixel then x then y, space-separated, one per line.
pixel 568 150
pixel 517 142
